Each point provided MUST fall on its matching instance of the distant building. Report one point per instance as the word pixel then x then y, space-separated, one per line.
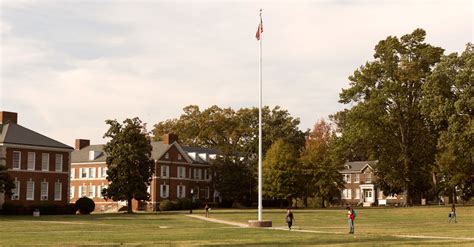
pixel 38 164
pixel 179 170
pixel 359 186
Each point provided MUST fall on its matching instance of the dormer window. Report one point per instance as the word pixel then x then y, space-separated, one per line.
pixel 179 157
pixel 167 156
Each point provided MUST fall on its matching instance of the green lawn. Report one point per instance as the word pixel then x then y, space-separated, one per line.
pixel 374 227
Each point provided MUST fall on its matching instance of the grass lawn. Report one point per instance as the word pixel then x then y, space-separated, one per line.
pixel 374 227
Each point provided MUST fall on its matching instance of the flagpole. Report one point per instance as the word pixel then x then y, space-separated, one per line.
pixel 260 130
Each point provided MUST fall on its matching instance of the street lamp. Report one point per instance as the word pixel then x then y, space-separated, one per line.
pixel 191 209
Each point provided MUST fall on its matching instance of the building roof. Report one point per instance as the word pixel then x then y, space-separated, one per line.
pixel 358 166
pixel 12 133
pixel 159 149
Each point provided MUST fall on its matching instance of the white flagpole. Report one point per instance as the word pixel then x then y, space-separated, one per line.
pixel 260 127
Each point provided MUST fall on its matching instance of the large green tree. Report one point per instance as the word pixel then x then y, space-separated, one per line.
pixel 282 173
pixel 321 167
pixel 449 102
pixel 386 95
pixel 129 162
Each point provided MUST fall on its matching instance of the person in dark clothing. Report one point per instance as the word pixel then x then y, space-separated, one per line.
pixel 207 210
pixel 289 218
pixel 452 214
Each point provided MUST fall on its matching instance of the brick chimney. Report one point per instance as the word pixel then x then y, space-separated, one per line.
pixel 169 138
pixel 6 116
pixel 82 143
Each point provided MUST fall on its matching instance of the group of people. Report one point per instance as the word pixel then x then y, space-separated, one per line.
pixel 351 215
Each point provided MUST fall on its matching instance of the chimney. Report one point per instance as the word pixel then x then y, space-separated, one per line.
pixel 6 116
pixel 82 143
pixel 169 138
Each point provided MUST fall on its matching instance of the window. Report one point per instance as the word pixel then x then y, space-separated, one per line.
pixel 190 172
pixel 31 160
pixel 206 192
pixel 71 192
pixel 206 175
pixel 45 162
pixel 81 191
pixel 368 178
pixel 167 156
pixel 44 191
pixel 91 191
pixel 164 190
pixel 58 190
pixel 356 178
pixel 357 194
pixel 30 190
pixel 16 159
pixel 347 178
pixel 83 172
pixel 165 171
pixel 197 173
pixel 59 162
pixel 181 191
pixel 179 157
pixel 102 172
pixel 91 172
pixel 181 172
pixel 16 190
pixel 346 194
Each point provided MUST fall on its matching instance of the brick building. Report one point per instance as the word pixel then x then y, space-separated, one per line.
pixel 180 172
pixel 360 188
pixel 38 164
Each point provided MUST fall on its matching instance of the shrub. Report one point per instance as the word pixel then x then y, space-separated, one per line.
pixel 168 205
pixel 85 205
pixel 184 204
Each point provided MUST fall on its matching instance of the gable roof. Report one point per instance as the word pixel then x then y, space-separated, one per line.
pixel 159 149
pixel 11 133
pixel 358 166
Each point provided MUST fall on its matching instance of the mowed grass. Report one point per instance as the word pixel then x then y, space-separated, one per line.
pixel 374 227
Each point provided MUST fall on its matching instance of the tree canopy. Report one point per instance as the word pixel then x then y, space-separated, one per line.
pixel 129 162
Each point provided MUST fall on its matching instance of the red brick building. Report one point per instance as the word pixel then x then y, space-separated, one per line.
pixel 180 172
pixel 38 164
pixel 360 188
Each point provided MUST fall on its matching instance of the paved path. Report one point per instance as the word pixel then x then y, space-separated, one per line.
pixel 237 224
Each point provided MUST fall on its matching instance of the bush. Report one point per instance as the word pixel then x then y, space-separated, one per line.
pixel 45 208
pixel 184 204
pixel 85 205
pixel 168 205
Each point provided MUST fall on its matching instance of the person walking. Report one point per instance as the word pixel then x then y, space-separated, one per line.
pixel 289 218
pixel 207 210
pixel 350 219
pixel 452 214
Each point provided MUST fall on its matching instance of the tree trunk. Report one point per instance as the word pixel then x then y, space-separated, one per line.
pixel 129 205
pixel 407 199
pixel 323 204
pixel 305 201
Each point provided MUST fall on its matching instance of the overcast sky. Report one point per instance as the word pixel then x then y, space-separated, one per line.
pixel 66 66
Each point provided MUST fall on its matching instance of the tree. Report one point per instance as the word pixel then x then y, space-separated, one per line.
pixel 387 94
pixel 321 168
pixel 129 162
pixel 449 104
pixel 6 182
pixel 233 178
pixel 281 172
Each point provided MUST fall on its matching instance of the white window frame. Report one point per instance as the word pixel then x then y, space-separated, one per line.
pixel 80 191
pixel 167 156
pixel 347 178
pixel 84 172
pixel 104 172
pixel 71 192
pixel 16 190
pixel 92 172
pixel 165 171
pixel 59 163
pixel 44 191
pixel 181 172
pixel 207 192
pixel 181 191
pixel 45 161
pixel 180 157
pixel 164 190
pixel 58 191
pixel 73 173
pixel 346 194
pixel 356 178
pixel 357 193
pixel 31 161
pixel 19 160
pixel 90 191
pixel 368 178
pixel 30 185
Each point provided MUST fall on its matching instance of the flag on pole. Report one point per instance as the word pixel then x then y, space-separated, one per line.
pixel 259 30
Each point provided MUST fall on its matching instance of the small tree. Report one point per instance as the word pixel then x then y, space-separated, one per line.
pixel 6 182
pixel 129 162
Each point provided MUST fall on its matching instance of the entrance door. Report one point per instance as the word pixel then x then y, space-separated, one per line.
pixel 368 196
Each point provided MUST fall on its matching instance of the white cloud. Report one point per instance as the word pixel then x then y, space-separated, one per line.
pixel 66 67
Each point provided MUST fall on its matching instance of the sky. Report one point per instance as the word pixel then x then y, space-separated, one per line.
pixel 67 66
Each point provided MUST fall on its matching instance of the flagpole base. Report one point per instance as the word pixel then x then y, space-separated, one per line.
pixel 260 223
